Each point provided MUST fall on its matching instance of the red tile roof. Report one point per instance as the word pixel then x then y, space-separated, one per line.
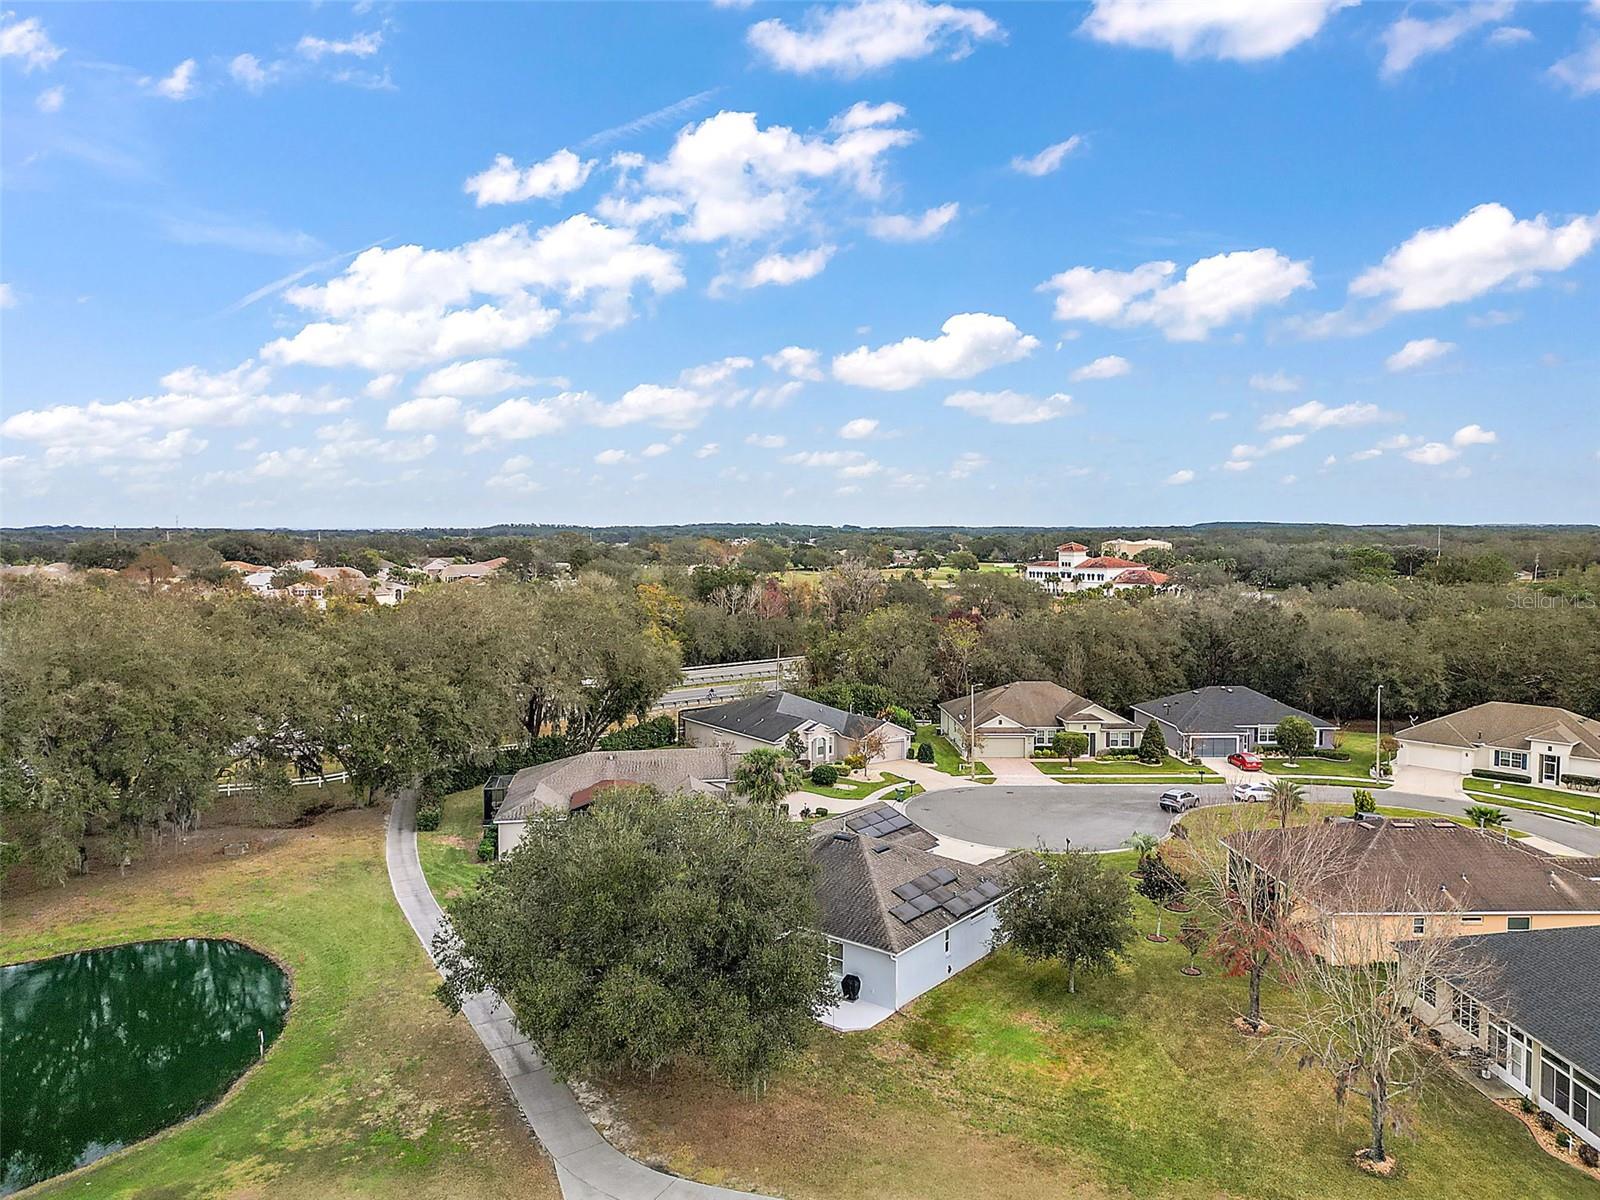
pixel 1142 578
pixel 1108 563
pixel 1072 546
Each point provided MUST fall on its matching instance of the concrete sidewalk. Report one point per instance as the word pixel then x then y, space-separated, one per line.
pixel 587 1166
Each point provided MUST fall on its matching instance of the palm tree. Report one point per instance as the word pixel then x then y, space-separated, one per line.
pixel 765 777
pixel 1487 816
pixel 1284 800
pixel 1145 844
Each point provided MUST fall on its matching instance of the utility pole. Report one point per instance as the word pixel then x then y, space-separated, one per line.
pixel 972 730
pixel 1377 745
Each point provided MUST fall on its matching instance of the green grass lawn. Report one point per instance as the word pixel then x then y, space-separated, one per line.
pixel 999 1084
pixel 1362 748
pixel 1088 769
pixel 851 789
pixel 449 855
pixel 372 1090
pixel 946 757
pixel 1529 796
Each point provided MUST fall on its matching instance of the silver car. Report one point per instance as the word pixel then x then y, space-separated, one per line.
pixel 1178 800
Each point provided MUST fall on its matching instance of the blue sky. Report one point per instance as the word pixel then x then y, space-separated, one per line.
pixel 882 263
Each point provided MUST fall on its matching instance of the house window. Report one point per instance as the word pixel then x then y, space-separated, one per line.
pixel 947 941
pixel 1041 737
pixel 1122 740
pixel 1514 760
pixel 1515 924
pixel 1428 991
pixel 835 958
pixel 1465 1013
pixel 1419 924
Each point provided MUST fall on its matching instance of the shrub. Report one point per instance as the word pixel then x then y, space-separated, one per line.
pixel 1588 1155
pixel 1152 745
pixel 901 717
pixel 1563 1139
pixel 488 847
pixel 1528 1106
pixel 1505 776
pixel 1588 781
pixel 430 811
pixel 925 752
pixel 646 735
pixel 1547 1122
pixel 1361 801
pixel 819 811
pixel 855 762
pixel 1330 755
pixel 824 774
pixel 1295 736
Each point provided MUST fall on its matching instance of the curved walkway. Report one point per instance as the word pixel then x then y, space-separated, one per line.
pixel 587 1166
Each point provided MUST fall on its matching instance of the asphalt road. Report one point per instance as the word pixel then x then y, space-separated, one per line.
pixel 1102 816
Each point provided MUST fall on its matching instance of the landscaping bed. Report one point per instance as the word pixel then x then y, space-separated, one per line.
pixel 1522 795
pixel 1361 747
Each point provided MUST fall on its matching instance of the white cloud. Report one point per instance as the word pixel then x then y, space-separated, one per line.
pixel 968 344
pixel 513 476
pixel 901 227
pixel 610 458
pixel 425 412
pixel 1314 414
pixel 520 418
pixel 1400 441
pixel 51 99
pixel 668 407
pixel 1288 480
pixel 27 40
pixel 1433 454
pixel 708 450
pixel 767 441
pixel 506 183
pixel 1245 454
pixel 1108 366
pixel 726 177
pixel 861 427
pixel 177 86
pixel 853 39
pixel 1580 70
pixel 474 377
pixel 1047 160
pixel 405 306
pixel 1242 30
pixel 1011 408
pixel 967 465
pixel 1177 478
pixel 656 450
pixel 1509 35
pixel 249 73
pixel 381 387
pixel 1473 435
pixel 795 361
pixel 1278 381
pixel 1483 250
pixel 780 270
pixel 1212 292
pixel 8 298
pixel 1411 38
pixel 1417 352
pixel 847 464
pixel 362 45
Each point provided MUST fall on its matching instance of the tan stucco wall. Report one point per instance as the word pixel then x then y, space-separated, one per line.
pixel 1356 933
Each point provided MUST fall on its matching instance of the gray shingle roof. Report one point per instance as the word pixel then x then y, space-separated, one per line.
pixel 1035 703
pixel 1501 723
pixel 552 785
pixel 1546 984
pixel 1223 710
pixel 856 881
pixel 771 716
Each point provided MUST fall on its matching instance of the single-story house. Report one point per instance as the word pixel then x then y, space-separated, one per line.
pixel 1539 742
pixel 1386 880
pixel 471 572
pixel 1011 720
pixel 1214 722
pixel 898 919
pixel 571 784
pixel 1538 1028
pixel 826 734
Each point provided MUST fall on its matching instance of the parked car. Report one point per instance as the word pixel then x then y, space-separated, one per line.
pixel 1245 761
pixel 1247 792
pixel 1178 800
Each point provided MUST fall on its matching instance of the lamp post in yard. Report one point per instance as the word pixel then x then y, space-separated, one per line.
pixel 1377 741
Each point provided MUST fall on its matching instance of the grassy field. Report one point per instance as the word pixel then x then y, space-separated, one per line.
pixel 372 1090
pixel 1521 795
pixel 946 757
pixel 999 1084
pixel 1362 748
pixel 851 789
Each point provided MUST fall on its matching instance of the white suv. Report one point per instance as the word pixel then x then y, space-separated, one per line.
pixel 1248 792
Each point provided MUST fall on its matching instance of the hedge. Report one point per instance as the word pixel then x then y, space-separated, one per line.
pixel 430 811
pixel 653 734
pixel 1503 776
pixel 1582 781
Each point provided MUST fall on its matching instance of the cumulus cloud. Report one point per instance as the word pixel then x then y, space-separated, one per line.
pixel 406 306
pixel 1314 414
pixel 8 298
pixel 779 270
pixel 51 99
pixel 1580 70
pixel 1108 366
pixel 766 441
pixel 861 427
pixel 1213 292
pixel 1011 408
pixel 250 73
pixel 1411 38
pixel 520 418
pixel 795 361
pixel 425 412
pixel 473 377
pixel 1417 352
pixel 361 45
pixel 851 40
pixel 1047 160
pixel 503 182
pixel 610 458
pixel 968 344
pixel 1278 381
pixel 1484 250
pixel 1243 456
pixel 1241 30
pixel 902 227
pixel 27 40
pixel 728 178
pixel 658 404
pixel 967 465
pixel 708 450
pixel 1178 478
pixel 846 464
pixel 1473 435
pixel 1433 454
pixel 179 85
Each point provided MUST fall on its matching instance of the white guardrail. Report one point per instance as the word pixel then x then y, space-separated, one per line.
pixel 761 668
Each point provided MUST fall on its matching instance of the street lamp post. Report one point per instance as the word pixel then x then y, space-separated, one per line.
pixel 1377 746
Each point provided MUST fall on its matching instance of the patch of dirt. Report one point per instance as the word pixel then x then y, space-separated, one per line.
pixel 1384 1169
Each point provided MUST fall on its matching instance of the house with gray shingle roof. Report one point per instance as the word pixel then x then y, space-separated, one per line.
pixel 1214 722
pixel 898 919
pixel 1539 742
pixel 825 734
pixel 1014 719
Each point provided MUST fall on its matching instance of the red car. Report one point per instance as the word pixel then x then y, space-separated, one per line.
pixel 1245 762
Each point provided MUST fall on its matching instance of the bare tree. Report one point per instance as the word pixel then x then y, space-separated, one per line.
pixel 1357 1013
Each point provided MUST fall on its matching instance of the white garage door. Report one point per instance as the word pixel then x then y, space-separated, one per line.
pixel 1001 745
pixel 893 747
pixel 1438 758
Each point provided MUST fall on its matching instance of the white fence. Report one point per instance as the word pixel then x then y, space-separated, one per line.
pixel 233 789
pixel 760 668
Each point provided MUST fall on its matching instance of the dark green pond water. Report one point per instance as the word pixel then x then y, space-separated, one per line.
pixel 102 1048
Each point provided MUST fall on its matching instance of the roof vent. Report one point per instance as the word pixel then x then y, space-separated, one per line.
pixel 1443 824
pixel 881 849
pixel 844 836
pixel 1404 824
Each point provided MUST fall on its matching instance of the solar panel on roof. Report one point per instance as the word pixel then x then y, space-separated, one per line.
pixel 988 889
pixel 907 890
pixel 957 906
pixel 942 875
pixel 925 903
pixel 904 912
pixel 943 893
pixel 898 822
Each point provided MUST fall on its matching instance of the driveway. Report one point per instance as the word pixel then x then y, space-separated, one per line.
pixel 1011 816
pixel 1015 770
